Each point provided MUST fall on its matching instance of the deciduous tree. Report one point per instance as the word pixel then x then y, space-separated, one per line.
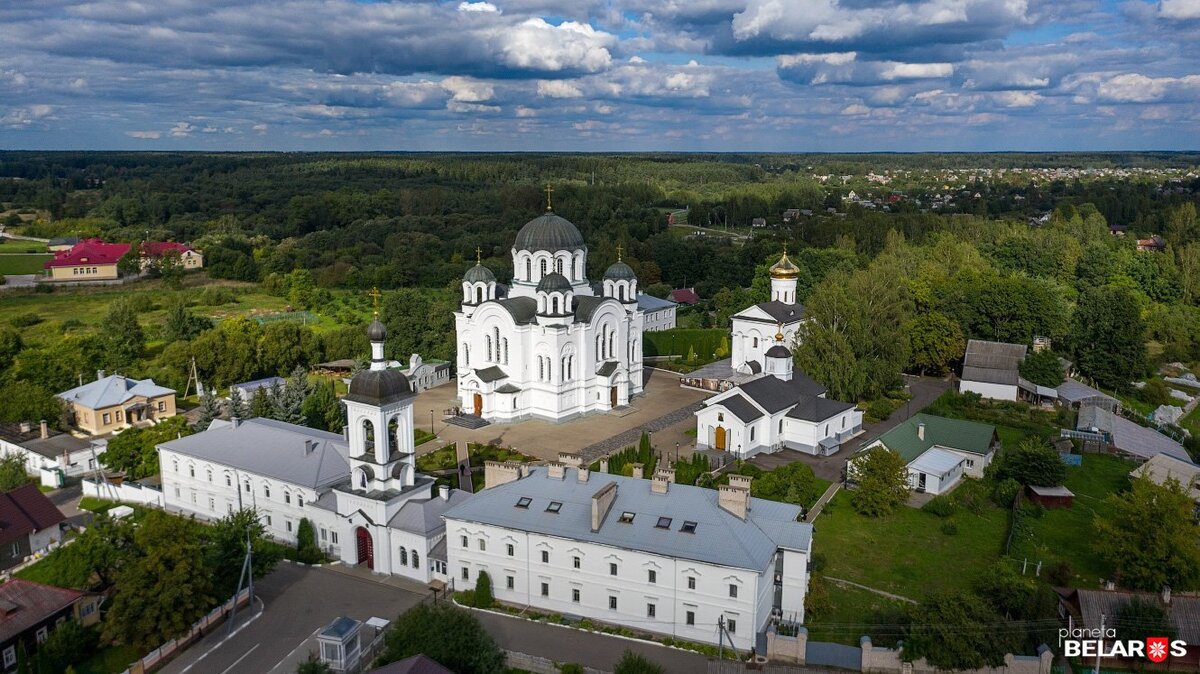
pixel 959 631
pixel 881 476
pixel 1033 462
pixel 1043 368
pixel 935 340
pixel 1150 537
pixel 12 472
pixel 1109 336
pixel 446 633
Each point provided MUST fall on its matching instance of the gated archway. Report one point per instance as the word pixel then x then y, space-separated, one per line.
pixel 366 547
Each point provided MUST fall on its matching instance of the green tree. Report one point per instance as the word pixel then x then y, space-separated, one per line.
pixel 135 450
pixel 1043 368
pixel 881 476
pixel 1141 618
pixel 321 408
pixel 260 403
pixel 1109 336
pixel 958 631
pixel 446 633
pixel 181 324
pixel 1033 462
pixel 69 644
pixel 210 408
pixel 122 334
pixel 10 345
pixel 238 407
pixel 169 266
pixel 934 341
pixel 1147 557
pixel 165 588
pixel 226 550
pixel 285 346
pixel 483 591
pixel 307 551
pixel 794 483
pixel 636 663
pixel 12 472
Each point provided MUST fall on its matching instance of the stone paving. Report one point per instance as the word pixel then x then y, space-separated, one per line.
pixel 631 436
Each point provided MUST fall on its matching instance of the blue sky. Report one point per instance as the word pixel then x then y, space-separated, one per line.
pixel 600 75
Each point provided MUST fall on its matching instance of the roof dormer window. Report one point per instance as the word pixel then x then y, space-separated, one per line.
pixel 554 507
pixel 524 502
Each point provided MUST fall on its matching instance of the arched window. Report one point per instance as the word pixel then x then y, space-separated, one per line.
pixel 466 353
pixel 506 351
pixel 416 560
pixel 479 295
pixel 564 370
pixel 554 304
pixel 393 434
pixel 541 369
pixel 579 266
pixel 751 433
pixel 228 480
pixel 622 289
pixel 368 429
pixel 558 267
pixel 403 557
pixel 756 342
pixel 528 269
pixel 487 341
pixel 299 500
pixel 543 267
pixel 599 351
pixel 266 490
pixel 781 425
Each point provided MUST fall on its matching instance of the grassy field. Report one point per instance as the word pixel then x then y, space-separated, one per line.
pixel 22 264
pixel 850 614
pixel 1065 534
pixel 1192 422
pixel 18 246
pixel 110 660
pixel 906 553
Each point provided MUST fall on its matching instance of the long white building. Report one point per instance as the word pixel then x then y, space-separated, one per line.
pixel 361 491
pixel 650 555
pixel 550 345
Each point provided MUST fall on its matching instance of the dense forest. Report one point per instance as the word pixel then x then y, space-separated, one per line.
pixel 947 247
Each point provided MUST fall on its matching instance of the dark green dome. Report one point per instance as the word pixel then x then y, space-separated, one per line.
pixel 378 387
pixel 553 282
pixel 620 271
pixel 479 273
pixel 549 232
pixel 779 351
pixel 376 332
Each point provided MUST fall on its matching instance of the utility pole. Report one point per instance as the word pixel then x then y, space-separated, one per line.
pixel 1101 649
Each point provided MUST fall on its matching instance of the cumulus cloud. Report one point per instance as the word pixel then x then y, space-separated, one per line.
pixel 27 115
pixel 558 89
pixel 182 130
pixel 1138 88
pixel 539 46
pixel 846 68
pixel 478 7
pixel 468 90
pixel 1179 10
pixel 144 135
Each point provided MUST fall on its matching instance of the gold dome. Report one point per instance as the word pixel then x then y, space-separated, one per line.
pixel 784 269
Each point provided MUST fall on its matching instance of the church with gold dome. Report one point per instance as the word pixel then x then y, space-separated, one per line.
pixel 754 328
pixel 551 344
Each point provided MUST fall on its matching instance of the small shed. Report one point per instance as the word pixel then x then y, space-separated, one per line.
pixel 1051 497
pixel 339 644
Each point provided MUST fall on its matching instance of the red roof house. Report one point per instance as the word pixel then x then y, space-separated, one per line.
pixel 28 524
pixel 685 296
pixel 190 257
pixel 90 259
pixel 30 611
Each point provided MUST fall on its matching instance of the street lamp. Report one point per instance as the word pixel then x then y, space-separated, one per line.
pixel 431 422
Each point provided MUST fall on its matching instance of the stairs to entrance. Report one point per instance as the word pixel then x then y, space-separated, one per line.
pixel 467 421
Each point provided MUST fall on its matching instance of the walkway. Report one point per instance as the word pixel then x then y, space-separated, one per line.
pixel 825 498
pixel 881 593
pixel 630 437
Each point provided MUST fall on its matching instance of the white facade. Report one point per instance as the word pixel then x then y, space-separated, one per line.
pixel 552 349
pixel 61 452
pixel 657 314
pixel 989 390
pixel 629 567
pixel 756 329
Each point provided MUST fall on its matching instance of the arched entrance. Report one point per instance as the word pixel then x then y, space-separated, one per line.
pixel 366 547
pixel 719 438
pixel 478 405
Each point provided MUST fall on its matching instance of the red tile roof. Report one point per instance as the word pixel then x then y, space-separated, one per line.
pixel 24 604
pixel 156 248
pixel 684 296
pixel 25 510
pixel 88 252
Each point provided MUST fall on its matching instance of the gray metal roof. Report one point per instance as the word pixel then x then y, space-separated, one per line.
pixel 508 388
pixel 779 351
pixel 379 387
pixel 652 303
pixel 425 516
pixel 553 281
pixel 990 375
pixel 741 408
pixel 490 374
pixel 812 408
pixel 113 390
pixel 607 368
pixel 524 309
pixel 746 544
pixel 270 448
pixel 479 274
pixel 1073 391
pixel 779 312
pixel 774 394
pixel 1002 355
pixel 549 232
pixel 619 271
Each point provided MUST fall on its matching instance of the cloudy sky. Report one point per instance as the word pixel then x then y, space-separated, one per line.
pixel 788 75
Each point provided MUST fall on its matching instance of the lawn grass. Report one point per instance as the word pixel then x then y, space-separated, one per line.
pixel 906 553
pixel 22 264
pixel 96 505
pixel 1065 534
pixel 1191 422
pixel 19 246
pixel 110 660
pixel 851 613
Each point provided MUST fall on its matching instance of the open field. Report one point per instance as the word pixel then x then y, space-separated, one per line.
pixel 852 612
pixel 22 264
pixel 19 246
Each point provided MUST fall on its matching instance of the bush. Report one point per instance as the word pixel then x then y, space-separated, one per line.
pixel 818 562
pixel 483 591
pixel 881 409
pixel 1005 492
pixel 1155 392
pixel 634 663
pixel 1061 573
pixel 1033 462
pixel 25 320
pixel 307 551
pixel 949 528
pixel 570 668
pixel 1032 510
pixel 939 505
pixel 445 633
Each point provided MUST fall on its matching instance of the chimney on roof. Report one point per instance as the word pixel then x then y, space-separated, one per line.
pixel 740 481
pixel 638 470
pixel 572 460
pixel 921 430
pixel 235 422
pixel 44 430
pixel 26 427
pixel 1166 595
pixel 555 471
pixel 734 500
pixel 496 473
pixel 659 483
pixel 582 473
pixel 444 492
pixel 309 446
pixel 602 502
pixel 99 375
pixel 604 465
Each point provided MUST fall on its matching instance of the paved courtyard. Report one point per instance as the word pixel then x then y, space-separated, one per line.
pixel 663 398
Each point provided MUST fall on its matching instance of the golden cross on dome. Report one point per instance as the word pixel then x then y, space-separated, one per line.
pixel 619 249
pixel 478 255
pixel 375 300
pixel 785 248
pixel 549 191
pixel 779 333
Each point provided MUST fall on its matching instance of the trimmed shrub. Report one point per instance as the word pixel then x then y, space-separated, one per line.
pixel 940 506
pixel 483 591
pixel 949 528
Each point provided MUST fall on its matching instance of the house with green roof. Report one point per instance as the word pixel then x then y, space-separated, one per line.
pixel 939 451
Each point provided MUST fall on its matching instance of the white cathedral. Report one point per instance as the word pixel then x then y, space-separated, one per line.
pixel 550 345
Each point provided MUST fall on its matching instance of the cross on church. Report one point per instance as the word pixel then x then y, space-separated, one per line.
pixel 549 191
pixel 375 300
pixel 478 255
pixel 619 249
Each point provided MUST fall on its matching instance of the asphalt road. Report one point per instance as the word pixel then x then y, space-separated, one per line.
pixel 296 601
